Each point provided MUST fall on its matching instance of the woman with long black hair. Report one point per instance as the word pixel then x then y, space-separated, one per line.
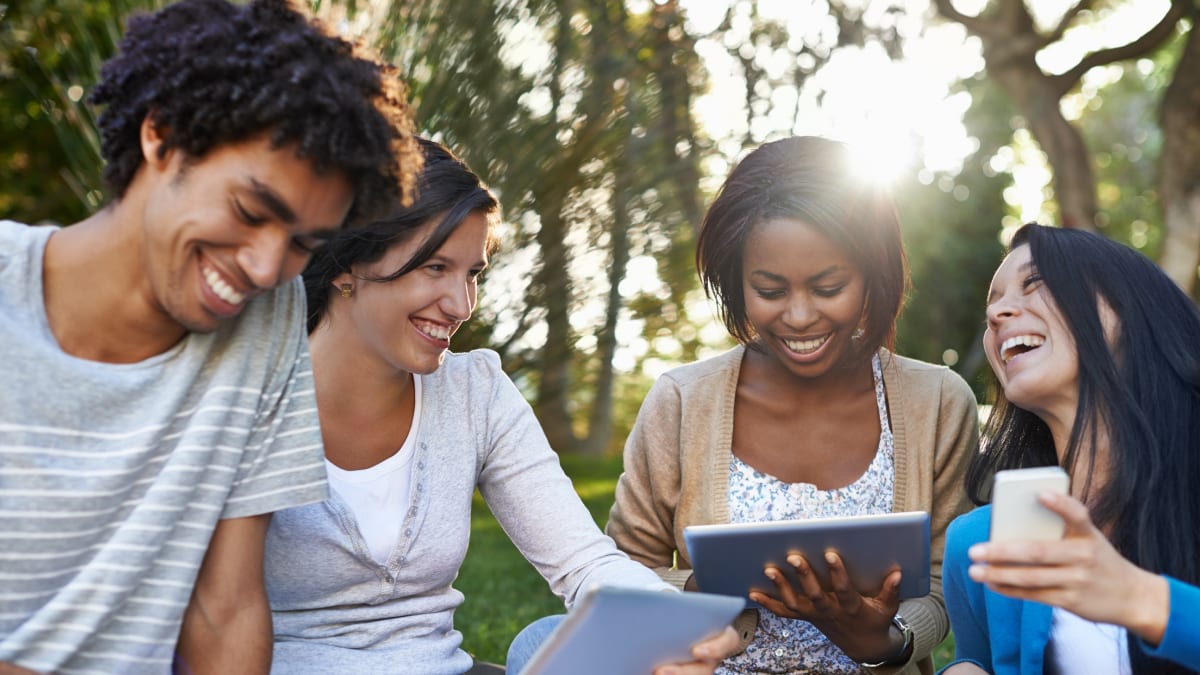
pixel 1097 357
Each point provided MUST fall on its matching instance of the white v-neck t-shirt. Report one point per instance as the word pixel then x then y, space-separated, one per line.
pixel 1082 647
pixel 378 496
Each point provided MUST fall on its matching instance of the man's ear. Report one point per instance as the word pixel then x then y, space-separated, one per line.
pixel 152 137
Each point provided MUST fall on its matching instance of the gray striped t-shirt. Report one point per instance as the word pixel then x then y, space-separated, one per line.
pixel 112 476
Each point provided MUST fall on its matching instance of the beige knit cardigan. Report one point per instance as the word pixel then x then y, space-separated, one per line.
pixel 677 472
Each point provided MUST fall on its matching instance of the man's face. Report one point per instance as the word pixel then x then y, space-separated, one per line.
pixel 230 225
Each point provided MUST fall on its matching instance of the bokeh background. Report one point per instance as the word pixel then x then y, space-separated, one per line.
pixel 605 126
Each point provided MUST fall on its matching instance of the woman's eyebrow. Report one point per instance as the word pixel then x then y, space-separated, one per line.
pixel 993 291
pixel 771 276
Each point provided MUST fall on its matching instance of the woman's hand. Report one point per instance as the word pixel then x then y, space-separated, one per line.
pixel 860 625
pixel 1082 573
pixel 707 654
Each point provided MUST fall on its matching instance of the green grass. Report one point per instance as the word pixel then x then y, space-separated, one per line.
pixel 503 591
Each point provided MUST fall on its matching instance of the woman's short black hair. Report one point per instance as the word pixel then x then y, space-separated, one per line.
pixel 447 192
pixel 811 180
pixel 209 72
pixel 1141 389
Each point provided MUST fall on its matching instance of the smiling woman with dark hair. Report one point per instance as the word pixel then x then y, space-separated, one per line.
pixel 363 582
pixel 812 416
pixel 1097 356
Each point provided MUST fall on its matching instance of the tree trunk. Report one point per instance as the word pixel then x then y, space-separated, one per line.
pixel 554 279
pixel 1037 99
pixel 617 44
pixel 553 392
pixel 1011 41
pixel 675 55
pixel 1179 180
pixel 600 420
pixel 1070 162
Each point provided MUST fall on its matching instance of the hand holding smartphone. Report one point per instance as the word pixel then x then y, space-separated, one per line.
pixel 1016 512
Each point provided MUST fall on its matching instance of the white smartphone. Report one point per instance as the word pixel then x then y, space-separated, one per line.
pixel 1016 512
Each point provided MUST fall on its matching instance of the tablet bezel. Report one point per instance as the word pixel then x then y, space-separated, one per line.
pixel 729 559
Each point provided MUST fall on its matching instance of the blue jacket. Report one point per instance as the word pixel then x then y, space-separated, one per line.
pixel 1006 636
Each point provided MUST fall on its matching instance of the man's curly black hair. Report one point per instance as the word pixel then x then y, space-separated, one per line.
pixel 209 72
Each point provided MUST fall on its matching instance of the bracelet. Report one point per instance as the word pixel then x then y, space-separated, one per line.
pixel 905 630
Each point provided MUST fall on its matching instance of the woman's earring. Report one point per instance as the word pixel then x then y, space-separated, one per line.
pixel 347 290
pixel 857 334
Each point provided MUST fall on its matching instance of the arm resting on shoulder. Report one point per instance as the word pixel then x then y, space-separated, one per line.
pixel 227 624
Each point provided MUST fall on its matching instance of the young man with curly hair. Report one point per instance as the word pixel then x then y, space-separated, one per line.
pixel 157 400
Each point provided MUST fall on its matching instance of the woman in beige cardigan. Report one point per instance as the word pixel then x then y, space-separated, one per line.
pixel 810 416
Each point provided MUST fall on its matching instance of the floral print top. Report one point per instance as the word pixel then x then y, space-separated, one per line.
pixel 782 645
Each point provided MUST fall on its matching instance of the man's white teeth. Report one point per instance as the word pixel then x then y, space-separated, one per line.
pixel 806 346
pixel 1008 348
pixel 223 290
pixel 435 332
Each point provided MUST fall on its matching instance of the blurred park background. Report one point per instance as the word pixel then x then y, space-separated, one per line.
pixel 605 126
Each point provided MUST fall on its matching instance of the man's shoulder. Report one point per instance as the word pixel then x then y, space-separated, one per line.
pixel 11 230
pixel 271 322
pixel 19 242
pixel 247 360
pixel 21 296
pixel 265 312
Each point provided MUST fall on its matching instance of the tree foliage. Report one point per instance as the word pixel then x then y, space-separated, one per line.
pixel 581 114
pixel 1180 165
pixel 50 55
pixel 1012 41
pixel 578 115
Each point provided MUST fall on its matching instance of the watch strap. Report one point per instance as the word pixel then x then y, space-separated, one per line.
pixel 905 630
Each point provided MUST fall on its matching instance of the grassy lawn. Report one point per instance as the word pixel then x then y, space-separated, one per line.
pixel 504 593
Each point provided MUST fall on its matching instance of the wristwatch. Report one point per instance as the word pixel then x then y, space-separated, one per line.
pixel 905 630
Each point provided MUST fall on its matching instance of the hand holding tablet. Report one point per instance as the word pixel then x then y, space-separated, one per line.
pixel 731 559
pixel 833 572
pixel 616 630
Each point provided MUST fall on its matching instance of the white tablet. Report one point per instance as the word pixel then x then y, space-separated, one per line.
pixel 628 631
pixel 729 559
